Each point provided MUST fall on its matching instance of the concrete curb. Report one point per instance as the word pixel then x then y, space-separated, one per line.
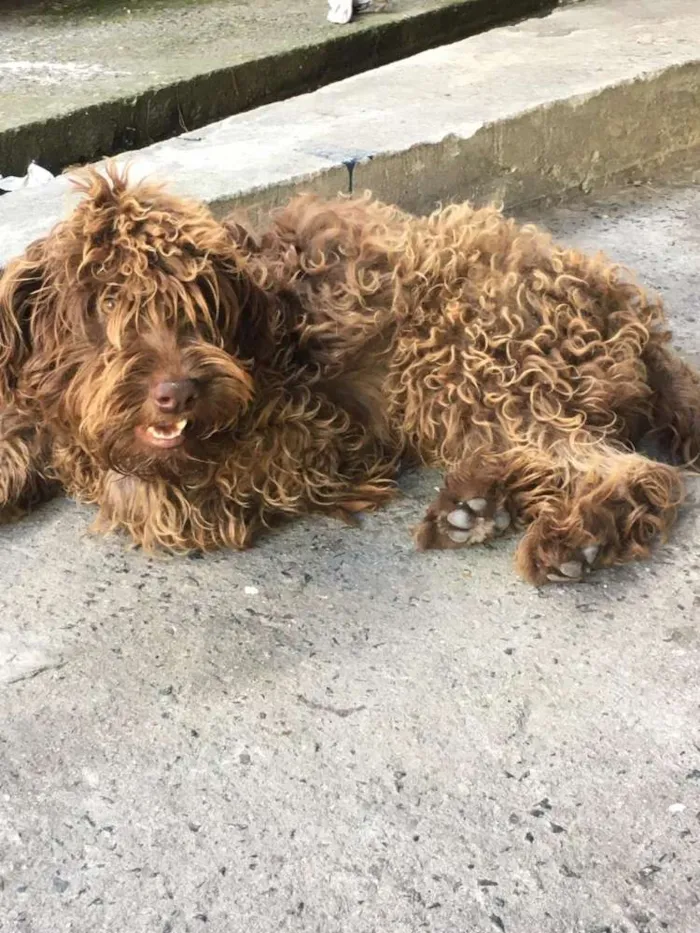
pixel 160 112
pixel 591 141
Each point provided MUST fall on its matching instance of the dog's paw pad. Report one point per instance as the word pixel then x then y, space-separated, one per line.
pixel 459 537
pixel 460 518
pixel 466 524
pixel 569 572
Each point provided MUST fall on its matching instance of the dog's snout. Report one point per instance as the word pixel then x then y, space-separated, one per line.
pixel 173 396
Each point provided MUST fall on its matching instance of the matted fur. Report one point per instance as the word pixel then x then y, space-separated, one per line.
pixel 342 339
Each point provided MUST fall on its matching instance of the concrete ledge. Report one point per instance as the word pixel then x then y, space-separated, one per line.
pixel 151 101
pixel 591 92
pixel 581 143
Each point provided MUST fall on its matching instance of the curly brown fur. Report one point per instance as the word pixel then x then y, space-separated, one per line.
pixel 324 349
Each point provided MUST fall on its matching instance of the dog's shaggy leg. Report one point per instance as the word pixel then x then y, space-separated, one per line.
pixel 23 461
pixel 157 515
pixel 364 497
pixel 676 414
pixel 609 512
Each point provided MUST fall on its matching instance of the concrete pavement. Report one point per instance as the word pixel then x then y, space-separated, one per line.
pixel 334 734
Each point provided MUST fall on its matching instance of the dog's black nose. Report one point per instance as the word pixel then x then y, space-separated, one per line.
pixel 173 397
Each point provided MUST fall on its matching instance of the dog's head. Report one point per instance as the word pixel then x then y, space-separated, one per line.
pixel 133 328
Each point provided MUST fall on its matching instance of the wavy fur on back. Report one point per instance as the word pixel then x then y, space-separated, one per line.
pixel 328 347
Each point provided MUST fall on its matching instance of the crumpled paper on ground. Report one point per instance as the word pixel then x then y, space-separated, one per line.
pixel 342 11
pixel 36 175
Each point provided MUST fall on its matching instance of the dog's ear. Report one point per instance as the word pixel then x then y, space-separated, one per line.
pixel 258 324
pixel 260 312
pixel 20 282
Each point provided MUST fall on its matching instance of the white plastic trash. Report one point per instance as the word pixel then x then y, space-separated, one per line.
pixel 342 11
pixel 339 11
pixel 36 176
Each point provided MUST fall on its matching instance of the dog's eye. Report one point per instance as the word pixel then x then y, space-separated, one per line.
pixel 108 305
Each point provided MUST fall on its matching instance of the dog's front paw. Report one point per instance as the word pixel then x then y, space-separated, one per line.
pixel 159 516
pixel 555 558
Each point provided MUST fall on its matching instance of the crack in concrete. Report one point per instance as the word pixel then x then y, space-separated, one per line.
pixel 31 674
pixel 337 711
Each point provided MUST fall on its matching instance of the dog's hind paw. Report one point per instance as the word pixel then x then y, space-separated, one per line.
pixel 453 522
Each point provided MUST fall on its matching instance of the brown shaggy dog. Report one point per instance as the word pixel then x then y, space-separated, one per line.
pixel 196 379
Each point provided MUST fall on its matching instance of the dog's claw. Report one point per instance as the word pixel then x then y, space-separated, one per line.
pixel 573 569
pixel 460 518
pixel 562 578
pixel 590 553
pixel 477 505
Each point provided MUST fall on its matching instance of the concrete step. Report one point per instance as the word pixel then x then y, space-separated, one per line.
pixel 84 79
pixel 594 91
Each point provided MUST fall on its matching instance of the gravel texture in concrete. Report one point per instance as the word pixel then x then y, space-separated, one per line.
pixel 334 734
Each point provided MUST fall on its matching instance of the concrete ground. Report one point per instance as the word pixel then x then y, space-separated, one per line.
pixel 52 54
pixel 334 734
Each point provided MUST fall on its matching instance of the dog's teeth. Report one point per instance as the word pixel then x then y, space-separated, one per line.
pixel 477 505
pixel 165 434
pixel 460 519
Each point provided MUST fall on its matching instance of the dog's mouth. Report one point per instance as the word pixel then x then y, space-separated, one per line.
pixel 163 435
